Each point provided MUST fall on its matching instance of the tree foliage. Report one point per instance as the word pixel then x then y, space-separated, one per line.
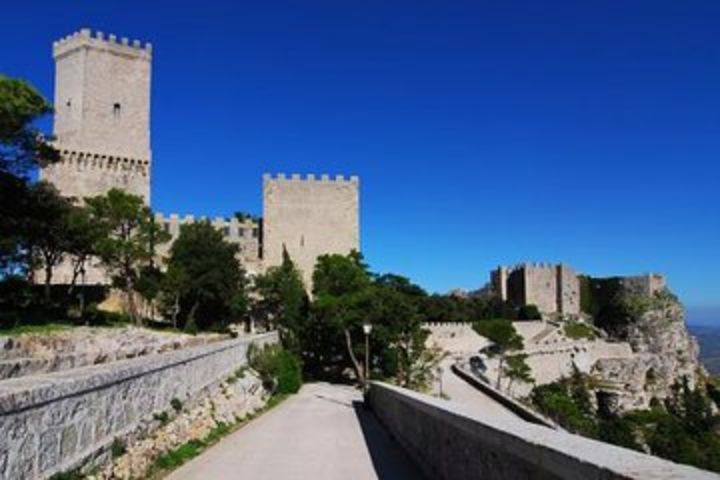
pixel 129 238
pixel 504 340
pixel 683 429
pixel 22 145
pixel 282 301
pixel 206 278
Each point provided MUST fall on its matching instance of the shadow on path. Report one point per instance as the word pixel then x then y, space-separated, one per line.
pixel 389 459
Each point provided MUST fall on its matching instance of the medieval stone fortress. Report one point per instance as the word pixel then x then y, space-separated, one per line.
pixel 555 288
pixel 102 129
pixel 110 402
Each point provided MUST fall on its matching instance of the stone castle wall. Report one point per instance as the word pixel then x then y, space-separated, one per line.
pixel 552 288
pixel 55 422
pixel 102 115
pixel 102 129
pixel 309 217
pixel 648 284
pixel 244 234
pixel 541 286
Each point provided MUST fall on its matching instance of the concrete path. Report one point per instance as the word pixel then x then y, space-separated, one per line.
pixel 461 392
pixel 323 432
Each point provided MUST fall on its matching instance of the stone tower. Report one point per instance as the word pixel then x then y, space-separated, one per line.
pixel 310 217
pixel 102 115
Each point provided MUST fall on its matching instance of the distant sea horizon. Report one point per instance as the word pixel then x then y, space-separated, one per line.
pixel 703 316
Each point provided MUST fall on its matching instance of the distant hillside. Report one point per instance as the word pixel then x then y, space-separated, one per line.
pixel 709 339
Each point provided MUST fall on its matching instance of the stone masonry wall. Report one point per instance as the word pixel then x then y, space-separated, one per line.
pixel 310 217
pixel 541 287
pixel 55 422
pixel 452 443
pixel 246 235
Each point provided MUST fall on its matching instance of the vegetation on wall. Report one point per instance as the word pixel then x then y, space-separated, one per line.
pixel 683 428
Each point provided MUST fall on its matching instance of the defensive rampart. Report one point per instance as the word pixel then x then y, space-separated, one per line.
pixel 55 422
pixel 451 443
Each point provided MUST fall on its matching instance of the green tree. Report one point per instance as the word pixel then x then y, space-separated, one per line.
pixel 130 237
pixel 341 296
pixel 22 149
pixel 211 285
pixel 282 301
pixel 83 237
pixel 22 146
pixel 517 369
pixel 172 287
pixel 504 338
pixel 46 230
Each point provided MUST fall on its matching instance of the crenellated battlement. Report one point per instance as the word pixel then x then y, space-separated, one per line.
pixel 232 228
pixel 86 38
pixel 310 177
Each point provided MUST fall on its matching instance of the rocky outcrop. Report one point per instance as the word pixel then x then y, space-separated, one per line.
pixel 663 352
pixel 30 354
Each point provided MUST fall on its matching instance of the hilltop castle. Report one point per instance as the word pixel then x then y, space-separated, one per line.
pixel 555 288
pixel 102 130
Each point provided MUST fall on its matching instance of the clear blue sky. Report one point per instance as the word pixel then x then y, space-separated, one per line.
pixel 484 132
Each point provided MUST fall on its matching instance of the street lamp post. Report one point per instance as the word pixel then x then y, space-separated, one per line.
pixel 367 328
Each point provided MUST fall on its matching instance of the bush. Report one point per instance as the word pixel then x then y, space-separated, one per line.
pixel 529 312
pixel 279 369
pixel 118 448
pixel 176 404
pixel 577 331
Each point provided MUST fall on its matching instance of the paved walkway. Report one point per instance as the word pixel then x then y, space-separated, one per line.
pixel 323 432
pixel 459 391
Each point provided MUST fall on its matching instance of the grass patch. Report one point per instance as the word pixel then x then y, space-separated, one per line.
pixel 43 329
pixel 578 331
pixel 183 453
pixel 176 457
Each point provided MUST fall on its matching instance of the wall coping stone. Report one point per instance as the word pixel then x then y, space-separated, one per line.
pixel 23 393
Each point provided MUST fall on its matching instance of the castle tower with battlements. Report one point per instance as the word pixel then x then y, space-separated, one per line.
pixel 310 217
pixel 102 129
pixel 102 115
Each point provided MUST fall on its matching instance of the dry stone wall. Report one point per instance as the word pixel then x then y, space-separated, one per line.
pixel 55 422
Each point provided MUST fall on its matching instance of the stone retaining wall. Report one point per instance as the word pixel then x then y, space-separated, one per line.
pixel 55 422
pixel 451 443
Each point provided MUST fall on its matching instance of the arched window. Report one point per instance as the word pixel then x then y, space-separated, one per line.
pixel 116 110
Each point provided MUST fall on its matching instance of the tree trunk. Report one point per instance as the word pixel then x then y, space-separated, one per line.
pixel 176 310
pixel 48 280
pixel 500 370
pixel 129 291
pixel 356 364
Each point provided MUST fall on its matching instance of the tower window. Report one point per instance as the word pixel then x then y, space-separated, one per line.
pixel 116 110
pixel 69 103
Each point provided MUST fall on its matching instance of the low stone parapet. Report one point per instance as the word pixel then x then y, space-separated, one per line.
pixel 450 442
pixel 55 422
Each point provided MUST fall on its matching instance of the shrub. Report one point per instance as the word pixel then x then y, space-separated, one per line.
pixel 577 331
pixel 529 312
pixel 176 404
pixel 162 417
pixel 280 370
pixel 191 327
pixel 118 448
